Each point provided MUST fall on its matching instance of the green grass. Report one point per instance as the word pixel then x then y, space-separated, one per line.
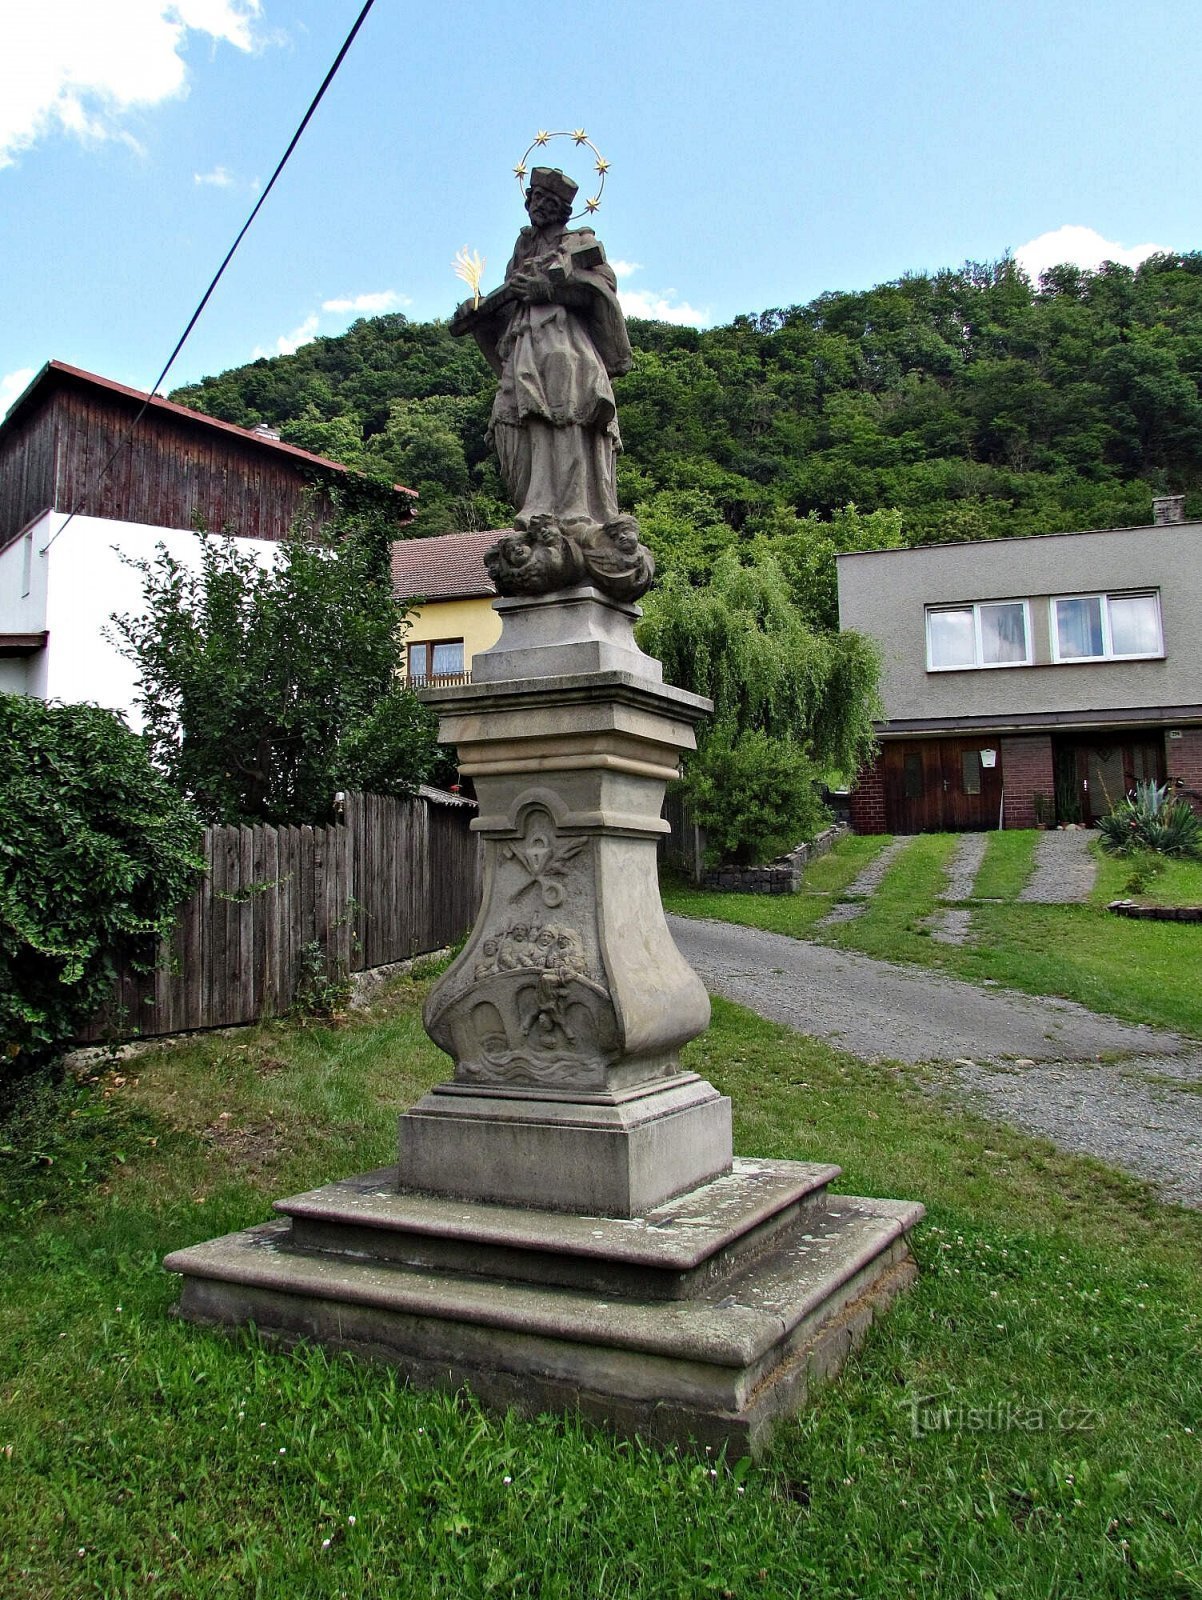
pixel 1176 883
pixel 1140 971
pixel 825 883
pixel 142 1456
pixel 1007 865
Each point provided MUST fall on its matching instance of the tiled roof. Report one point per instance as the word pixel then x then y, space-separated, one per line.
pixel 450 567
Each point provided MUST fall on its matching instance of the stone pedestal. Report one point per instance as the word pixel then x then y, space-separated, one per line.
pixel 566 1226
pixel 566 1011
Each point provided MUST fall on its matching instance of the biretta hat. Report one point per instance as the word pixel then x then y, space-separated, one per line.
pixel 558 182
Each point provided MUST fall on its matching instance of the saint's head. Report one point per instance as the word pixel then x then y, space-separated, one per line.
pixel 550 197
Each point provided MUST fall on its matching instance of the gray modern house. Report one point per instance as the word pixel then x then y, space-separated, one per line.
pixel 1031 680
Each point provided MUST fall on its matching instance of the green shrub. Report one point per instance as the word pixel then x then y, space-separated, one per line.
pixel 265 690
pixel 755 797
pixel 96 851
pixel 1151 821
pixel 789 703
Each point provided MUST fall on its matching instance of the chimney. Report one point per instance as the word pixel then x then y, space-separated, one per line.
pixel 1168 508
pixel 266 431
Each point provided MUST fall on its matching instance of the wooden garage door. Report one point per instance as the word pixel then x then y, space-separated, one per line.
pixel 941 785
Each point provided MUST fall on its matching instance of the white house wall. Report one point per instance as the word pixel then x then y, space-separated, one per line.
pixel 78 580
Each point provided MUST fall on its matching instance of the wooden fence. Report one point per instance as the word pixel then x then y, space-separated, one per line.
pixel 391 879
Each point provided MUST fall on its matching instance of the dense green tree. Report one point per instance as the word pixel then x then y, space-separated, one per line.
pixel 265 689
pixel 96 852
pixel 791 703
pixel 972 401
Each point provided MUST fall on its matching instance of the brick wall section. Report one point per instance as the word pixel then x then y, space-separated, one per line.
pixel 867 800
pixel 1027 770
pixel 1183 763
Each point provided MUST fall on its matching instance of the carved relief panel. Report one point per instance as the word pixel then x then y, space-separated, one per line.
pixel 527 1002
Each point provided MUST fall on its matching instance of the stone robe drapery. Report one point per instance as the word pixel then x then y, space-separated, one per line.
pixel 554 421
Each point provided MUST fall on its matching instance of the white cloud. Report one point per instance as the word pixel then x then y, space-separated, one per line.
pixel 13 384
pixel 382 300
pixel 289 343
pixel 663 306
pixel 78 66
pixel 219 178
pixel 306 331
pixel 1082 247
pixel 624 268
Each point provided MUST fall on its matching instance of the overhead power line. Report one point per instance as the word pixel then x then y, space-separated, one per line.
pixel 229 256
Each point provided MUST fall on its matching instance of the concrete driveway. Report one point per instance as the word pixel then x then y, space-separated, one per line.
pixel 1119 1091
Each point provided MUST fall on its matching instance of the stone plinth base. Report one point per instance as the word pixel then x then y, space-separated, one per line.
pixel 619 1155
pixel 705 1320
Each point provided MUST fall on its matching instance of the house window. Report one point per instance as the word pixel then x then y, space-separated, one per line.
pixel 1102 627
pixel 994 633
pixel 433 659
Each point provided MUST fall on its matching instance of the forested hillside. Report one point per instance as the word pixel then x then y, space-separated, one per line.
pixel 963 405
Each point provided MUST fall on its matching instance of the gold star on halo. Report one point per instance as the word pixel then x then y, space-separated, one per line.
pixel 542 136
pixel 594 204
pixel 520 170
pixel 602 164
pixel 580 136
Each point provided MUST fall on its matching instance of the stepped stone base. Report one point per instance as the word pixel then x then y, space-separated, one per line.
pixel 704 1321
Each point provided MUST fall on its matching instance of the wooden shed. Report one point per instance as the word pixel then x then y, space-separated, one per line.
pixel 179 469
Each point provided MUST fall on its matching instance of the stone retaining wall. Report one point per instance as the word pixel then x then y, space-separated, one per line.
pixel 1132 908
pixel 782 876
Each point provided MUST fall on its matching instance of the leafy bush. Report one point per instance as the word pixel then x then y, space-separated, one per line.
pixel 1149 820
pixel 267 689
pixel 394 748
pixel 96 852
pixel 790 701
pixel 755 797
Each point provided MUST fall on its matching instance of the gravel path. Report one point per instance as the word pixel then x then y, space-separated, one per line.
pixel 1065 868
pixel 953 924
pixel 1143 1114
pixel 1127 1094
pixel 861 889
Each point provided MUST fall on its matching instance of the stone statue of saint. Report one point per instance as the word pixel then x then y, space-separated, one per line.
pixel 555 335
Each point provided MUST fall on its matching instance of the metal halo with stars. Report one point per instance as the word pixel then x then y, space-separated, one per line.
pixel 601 166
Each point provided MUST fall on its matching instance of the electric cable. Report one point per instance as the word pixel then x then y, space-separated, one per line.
pixel 229 256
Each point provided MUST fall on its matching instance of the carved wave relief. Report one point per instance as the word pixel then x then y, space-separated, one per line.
pixel 534 1012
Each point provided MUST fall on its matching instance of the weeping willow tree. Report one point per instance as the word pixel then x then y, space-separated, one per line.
pixel 790 703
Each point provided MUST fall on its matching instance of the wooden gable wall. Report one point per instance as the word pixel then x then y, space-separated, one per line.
pixel 26 473
pixel 172 473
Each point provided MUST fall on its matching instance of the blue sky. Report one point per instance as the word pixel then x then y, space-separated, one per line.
pixel 760 154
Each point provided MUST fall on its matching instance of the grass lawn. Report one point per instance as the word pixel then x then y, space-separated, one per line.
pixel 1172 883
pixel 1141 971
pixel 1027 1422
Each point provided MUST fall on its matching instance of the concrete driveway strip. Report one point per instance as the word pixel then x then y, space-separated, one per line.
pixel 1031 1062
pixel 882 1011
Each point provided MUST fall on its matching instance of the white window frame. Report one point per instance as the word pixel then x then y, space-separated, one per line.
pixel 1108 651
pixel 978 664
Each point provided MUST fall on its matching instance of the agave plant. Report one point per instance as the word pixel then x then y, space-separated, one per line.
pixel 1150 820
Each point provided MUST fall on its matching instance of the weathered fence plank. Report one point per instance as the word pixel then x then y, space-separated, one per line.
pixel 392 879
